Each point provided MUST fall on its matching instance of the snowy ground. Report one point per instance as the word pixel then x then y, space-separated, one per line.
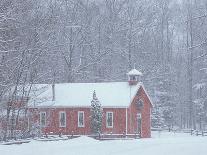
pixel 159 144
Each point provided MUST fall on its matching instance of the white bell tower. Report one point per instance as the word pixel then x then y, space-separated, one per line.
pixel 134 76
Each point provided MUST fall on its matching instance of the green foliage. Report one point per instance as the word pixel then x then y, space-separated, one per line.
pixel 96 115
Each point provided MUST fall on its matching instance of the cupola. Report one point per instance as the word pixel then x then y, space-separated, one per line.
pixel 134 76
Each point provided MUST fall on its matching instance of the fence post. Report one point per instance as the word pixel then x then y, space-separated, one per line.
pixel 191 132
pixel 72 134
pixel 99 135
pixel 60 134
pixel 124 134
pixel 46 136
pixel 135 135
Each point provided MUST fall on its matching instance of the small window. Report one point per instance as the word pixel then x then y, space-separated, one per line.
pixel 140 104
pixel 133 78
pixel 81 119
pixel 109 119
pixel 139 116
pixel 62 119
pixel 42 119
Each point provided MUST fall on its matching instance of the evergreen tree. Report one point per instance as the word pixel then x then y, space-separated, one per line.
pixel 96 115
pixel 157 118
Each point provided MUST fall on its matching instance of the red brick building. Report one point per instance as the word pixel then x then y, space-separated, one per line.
pixel 65 107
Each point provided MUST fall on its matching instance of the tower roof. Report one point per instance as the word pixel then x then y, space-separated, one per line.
pixel 134 72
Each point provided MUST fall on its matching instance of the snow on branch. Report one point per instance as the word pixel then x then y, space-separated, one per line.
pixel 198 45
pixel 199 86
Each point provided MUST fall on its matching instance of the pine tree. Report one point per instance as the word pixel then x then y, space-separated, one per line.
pixel 96 115
pixel 157 119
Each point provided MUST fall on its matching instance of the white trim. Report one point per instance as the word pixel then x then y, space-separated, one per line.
pixel 146 94
pixel 140 118
pixel 141 85
pixel 139 115
pixel 126 113
pixel 112 117
pixel 43 112
pixel 79 125
pixel 150 122
pixel 62 112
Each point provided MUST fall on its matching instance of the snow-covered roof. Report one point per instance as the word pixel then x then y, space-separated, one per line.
pixel 134 72
pixel 110 94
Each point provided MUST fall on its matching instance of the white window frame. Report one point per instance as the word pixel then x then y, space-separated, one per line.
pixel 62 112
pixel 139 116
pixel 81 125
pixel 112 117
pixel 41 119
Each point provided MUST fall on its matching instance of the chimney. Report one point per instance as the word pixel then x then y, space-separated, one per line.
pixel 53 92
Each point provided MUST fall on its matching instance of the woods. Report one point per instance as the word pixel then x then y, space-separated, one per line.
pixel 47 41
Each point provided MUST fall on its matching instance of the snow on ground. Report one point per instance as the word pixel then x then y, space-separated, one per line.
pixel 159 144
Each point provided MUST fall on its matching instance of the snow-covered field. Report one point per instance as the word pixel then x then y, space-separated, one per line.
pixel 159 144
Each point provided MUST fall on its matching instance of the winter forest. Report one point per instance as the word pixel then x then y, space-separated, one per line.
pixel 47 41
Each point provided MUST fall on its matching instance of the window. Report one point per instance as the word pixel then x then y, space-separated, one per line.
pixel 109 119
pixel 133 78
pixel 140 104
pixel 139 116
pixel 139 124
pixel 62 119
pixel 42 119
pixel 81 119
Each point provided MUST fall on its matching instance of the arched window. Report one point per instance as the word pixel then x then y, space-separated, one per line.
pixel 140 104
